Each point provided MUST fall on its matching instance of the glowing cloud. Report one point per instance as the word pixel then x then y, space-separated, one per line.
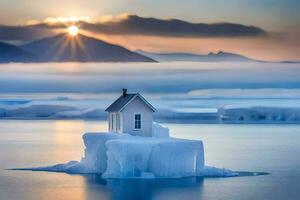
pixel 55 20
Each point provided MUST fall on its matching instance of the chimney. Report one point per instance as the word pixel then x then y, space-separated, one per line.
pixel 124 92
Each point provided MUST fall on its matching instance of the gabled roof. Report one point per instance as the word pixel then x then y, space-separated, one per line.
pixel 123 101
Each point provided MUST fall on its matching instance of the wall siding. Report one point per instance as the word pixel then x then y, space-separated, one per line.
pixel 137 106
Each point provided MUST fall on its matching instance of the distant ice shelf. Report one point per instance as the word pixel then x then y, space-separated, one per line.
pixel 259 114
pixel 62 107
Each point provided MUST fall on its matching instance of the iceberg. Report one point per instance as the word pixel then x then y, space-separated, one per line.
pixel 115 155
pixel 160 131
pixel 154 157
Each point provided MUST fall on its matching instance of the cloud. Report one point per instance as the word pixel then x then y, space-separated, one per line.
pixel 126 24
pixel 135 25
pixel 25 33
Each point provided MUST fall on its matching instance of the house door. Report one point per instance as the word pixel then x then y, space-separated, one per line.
pixel 113 123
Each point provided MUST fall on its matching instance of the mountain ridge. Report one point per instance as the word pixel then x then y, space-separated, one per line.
pixel 220 56
pixel 64 48
pixel 12 53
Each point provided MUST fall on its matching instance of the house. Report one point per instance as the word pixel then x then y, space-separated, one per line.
pixel 131 113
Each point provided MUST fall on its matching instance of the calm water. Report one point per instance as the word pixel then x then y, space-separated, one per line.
pixel 266 148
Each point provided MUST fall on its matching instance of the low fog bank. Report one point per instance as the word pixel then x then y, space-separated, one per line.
pixel 172 77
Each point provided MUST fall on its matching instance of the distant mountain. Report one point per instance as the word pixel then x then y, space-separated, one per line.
pixel 11 53
pixel 211 57
pixel 291 62
pixel 63 48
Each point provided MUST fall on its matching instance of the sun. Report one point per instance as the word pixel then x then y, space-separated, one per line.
pixel 73 30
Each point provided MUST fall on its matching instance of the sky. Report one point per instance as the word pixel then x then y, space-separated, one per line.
pixel 273 14
pixel 278 18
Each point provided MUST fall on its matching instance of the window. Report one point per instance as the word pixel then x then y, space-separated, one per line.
pixel 137 121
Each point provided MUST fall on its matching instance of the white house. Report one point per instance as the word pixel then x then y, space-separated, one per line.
pixel 131 113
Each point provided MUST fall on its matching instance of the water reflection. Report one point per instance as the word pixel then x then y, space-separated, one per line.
pixel 67 138
pixel 117 189
pixel 64 132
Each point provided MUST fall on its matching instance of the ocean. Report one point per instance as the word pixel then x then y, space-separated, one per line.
pixel 256 148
